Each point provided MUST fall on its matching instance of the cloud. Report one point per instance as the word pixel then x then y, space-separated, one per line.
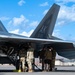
pixel 56 33
pixel 60 23
pixel 66 15
pixel 18 21
pixel 21 2
pixel 27 33
pixel 16 31
pixel 45 12
pixel 34 23
pixel 65 1
pixel 4 18
pixel 22 26
pixel 44 4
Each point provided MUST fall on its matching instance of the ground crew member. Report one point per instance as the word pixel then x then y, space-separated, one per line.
pixel 48 59
pixel 30 58
pixel 53 58
pixel 23 54
pixel 42 56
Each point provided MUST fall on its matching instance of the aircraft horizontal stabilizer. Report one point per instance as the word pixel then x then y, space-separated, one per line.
pixel 2 28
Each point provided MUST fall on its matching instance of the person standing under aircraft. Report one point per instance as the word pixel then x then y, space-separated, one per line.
pixel 53 59
pixel 42 56
pixel 30 58
pixel 23 54
pixel 48 59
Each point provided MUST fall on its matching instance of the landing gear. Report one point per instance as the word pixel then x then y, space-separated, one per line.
pixel 17 64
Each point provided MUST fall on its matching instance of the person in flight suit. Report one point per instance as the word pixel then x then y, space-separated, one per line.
pixel 30 58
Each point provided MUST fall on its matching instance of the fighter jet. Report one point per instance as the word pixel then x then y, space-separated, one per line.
pixel 10 44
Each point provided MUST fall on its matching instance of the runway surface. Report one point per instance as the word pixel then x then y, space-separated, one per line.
pixel 39 73
pixel 61 70
pixel 11 67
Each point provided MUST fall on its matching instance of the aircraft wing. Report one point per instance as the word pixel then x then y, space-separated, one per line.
pixel 63 48
pixel 58 44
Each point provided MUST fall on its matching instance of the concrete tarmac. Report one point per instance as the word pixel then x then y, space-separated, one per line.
pixel 61 70
pixel 39 73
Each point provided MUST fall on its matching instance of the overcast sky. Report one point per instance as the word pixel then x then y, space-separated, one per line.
pixel 23 16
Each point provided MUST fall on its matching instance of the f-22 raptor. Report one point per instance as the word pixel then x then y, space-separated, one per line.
pixel 41 36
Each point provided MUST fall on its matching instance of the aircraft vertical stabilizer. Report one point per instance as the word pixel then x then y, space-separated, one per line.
pixel 2 28
pixel 46 26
